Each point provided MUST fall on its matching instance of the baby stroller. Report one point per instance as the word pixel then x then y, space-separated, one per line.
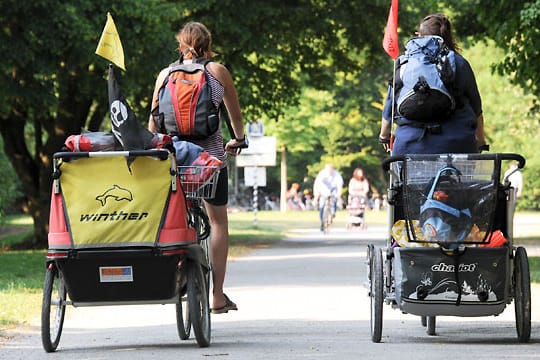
pixel 356 207
pixel 123 232
pixel 449 250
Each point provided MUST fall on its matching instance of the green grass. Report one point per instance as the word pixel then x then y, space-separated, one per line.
pixel 21 282
pixel 534 268
pixel 22 272
pixel 16 229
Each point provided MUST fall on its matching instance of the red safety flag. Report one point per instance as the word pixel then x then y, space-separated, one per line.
pixel 390 40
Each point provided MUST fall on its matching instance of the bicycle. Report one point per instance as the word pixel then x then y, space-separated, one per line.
pixel 198 182
pixel 328 213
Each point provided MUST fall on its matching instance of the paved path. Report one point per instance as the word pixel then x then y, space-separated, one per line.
pixel 302 299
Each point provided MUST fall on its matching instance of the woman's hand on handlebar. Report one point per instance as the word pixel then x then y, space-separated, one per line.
pixel 235 146
pixel 387 143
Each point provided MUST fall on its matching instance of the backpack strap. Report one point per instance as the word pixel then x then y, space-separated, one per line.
pixel 400 62
pixel 434 127
pixel 222 109
pixel 203 61
pixel 225 116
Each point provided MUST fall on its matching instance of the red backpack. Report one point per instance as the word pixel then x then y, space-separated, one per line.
pixel 185 107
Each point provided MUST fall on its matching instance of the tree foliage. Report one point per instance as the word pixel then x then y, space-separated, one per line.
pixel 513 37
pixel 513 25
pixel 504 104
pixel 518 34
pixel 53 84
pixel 316 66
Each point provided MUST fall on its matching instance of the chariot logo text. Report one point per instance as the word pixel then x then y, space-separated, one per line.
pixel 442 267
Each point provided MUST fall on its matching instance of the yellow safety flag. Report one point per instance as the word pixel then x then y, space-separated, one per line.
pixel 109 45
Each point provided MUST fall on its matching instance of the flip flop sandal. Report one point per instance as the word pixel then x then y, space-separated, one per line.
pixel 229 305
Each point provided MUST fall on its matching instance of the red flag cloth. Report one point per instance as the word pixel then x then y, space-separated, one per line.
pixel 390 40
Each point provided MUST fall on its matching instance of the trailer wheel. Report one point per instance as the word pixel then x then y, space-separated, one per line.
pixel 522 295
pixel 376 295
pixel 183 321
pixel 53 308
pixel 198 304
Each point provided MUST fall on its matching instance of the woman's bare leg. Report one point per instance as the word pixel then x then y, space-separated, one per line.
pixel 219 250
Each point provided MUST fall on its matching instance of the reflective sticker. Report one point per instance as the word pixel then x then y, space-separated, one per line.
pixel 116 274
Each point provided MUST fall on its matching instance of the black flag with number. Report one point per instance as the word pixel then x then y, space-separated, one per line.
pixel 126 127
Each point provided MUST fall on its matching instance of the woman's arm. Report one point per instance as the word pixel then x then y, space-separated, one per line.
pixel 480 135
pixel 159 81
pixel 230 97
pixel 386 125
pixel 475 100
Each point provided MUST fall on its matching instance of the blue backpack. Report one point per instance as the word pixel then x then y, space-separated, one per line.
pixel 424 80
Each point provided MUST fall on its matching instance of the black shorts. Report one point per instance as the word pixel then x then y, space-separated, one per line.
pixel 222 190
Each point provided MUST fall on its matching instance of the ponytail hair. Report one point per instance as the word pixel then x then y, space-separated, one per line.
pixel 438 24
pixel 195 41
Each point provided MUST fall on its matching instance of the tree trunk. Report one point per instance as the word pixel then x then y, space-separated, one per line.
pixel 15 148
pixel 34 172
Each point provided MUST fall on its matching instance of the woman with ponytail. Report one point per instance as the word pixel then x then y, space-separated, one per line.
pixel 462 131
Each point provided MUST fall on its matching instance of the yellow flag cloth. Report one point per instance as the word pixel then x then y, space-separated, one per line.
pixel 109 45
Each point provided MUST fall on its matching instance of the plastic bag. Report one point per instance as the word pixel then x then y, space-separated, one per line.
pixel 199 172
pixel 399 234
pixel 496 239
pixel 102 141
pixel 160 141
pixel 91 141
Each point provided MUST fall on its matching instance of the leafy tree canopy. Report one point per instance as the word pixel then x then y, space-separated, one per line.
pixel 52 84
pixel 513 25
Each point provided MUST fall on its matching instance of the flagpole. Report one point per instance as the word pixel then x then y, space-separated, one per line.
pixel 391 145
pixel 391 46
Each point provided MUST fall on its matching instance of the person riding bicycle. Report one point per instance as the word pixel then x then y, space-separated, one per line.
pixel 328 183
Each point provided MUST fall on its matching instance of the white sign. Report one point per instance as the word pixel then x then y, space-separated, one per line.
pixel 255 129
pixel 261 152
pixel 255 176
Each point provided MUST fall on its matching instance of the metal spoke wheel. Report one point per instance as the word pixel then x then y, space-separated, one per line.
pixel 53 308
pixel 376 294
pixel 327 217
pixel 522 294
pixel 204 230
pixel 198 304
pixel 369 260
pixel 183 321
